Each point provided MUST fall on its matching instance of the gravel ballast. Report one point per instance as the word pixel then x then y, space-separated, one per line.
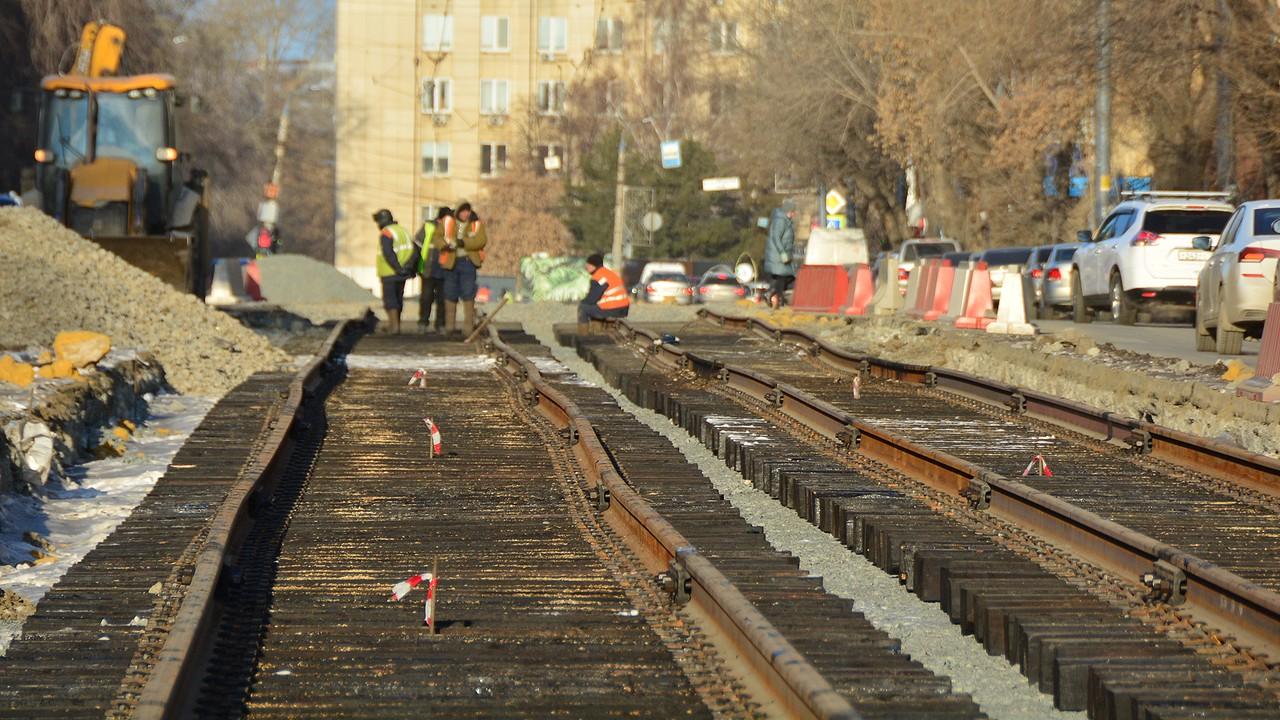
pixel 300 280
pixel 52 279
pixel 927 634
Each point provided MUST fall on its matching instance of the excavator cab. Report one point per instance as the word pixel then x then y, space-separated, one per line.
pixel 106 167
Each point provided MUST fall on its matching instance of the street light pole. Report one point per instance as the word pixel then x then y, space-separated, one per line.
pixel 619 192
pixel 1102 113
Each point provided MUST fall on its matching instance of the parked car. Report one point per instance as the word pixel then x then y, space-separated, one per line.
pixel 1001 261
pixel 718 287
pixel 666 287
pixel 1142 259
pixel 1239 280
pixel 955 258
pixel 1053 297
pixel 653 267
pixel 913 251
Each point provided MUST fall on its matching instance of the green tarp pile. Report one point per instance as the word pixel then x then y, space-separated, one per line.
pixel 558 279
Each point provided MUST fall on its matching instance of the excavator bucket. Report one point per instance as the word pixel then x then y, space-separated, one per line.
pixel 167 257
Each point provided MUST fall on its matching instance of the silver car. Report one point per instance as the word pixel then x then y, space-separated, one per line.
pixel 667 288
pixel 1238 282
pixel 1054 283
pixel 719 287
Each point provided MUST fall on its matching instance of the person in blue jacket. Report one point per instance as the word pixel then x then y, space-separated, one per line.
pixel 779 267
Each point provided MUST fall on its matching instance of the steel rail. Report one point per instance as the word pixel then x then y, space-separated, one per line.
pixel 1223 461
pixel 1221 598
pixel 164 694
pixel 776 663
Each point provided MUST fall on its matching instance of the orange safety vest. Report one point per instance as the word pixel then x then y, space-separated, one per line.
pixel 615 295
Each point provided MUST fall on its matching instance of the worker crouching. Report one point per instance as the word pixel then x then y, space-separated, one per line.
pixel 397 262
pixel 607 297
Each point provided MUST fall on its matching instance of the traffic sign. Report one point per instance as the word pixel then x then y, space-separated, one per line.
pixel 835 202
pixel 670 154
pixel 837 222
pixel 721 184
pixel 651 222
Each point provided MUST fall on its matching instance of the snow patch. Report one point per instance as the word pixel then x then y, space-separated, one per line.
pixel 436 363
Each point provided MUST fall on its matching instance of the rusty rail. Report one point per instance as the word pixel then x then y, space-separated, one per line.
pixel 801 689
pixel 1257 472
pixel 164 694
pixel 1221 598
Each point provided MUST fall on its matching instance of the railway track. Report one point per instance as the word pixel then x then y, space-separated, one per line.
pixel 1091 636
pixel 585 568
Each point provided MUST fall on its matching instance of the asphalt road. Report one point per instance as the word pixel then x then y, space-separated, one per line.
pixel 1160 339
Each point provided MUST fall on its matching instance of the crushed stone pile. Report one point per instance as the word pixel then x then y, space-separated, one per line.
pixel 52 279
pixel 300 280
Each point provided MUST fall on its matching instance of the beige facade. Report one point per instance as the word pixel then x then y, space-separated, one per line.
pixel 433 96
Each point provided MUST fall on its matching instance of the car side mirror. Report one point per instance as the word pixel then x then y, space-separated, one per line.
pixel 1084 236
pixel 1202 242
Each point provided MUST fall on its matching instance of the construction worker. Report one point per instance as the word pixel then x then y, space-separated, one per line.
pixel 461 247
pixel 607 297
pixel 397 262
pixel 430 271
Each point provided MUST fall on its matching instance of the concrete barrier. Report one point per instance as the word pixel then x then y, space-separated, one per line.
pixel 235 280
pixel 860 290
pixel 928 271
pixel 913 290
pixel 1015 307
pixel 942 281
pixel 820 288
pixel 959 293
pixel 1263 386
pixel 887 300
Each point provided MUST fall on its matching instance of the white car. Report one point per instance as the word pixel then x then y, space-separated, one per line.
pixel 1143 257
pixel 1238 282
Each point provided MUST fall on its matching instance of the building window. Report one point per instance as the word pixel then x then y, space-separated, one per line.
pixel 437 96
pixel 724 36
pixel 550 97
pixel 553 35
pixel 722 98
pixel 663 31
pixel 493 159
pixel 550 159
pixel 609 35
pixel 435 158
pixel 495 97
pixel 612 97
pixel 437 33
pixel 495 33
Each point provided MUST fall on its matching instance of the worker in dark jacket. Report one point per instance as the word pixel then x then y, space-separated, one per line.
pixel 430 271
pixel 606 298
pixel 778 249
pixel 397 262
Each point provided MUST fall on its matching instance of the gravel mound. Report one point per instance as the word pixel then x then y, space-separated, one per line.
pixel 298 279
pixel 51 279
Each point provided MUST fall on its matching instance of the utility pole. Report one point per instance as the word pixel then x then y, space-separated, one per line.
pixel 619 193
pixel 1223 148
pixel 1102 113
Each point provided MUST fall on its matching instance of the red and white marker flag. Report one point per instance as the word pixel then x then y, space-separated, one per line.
pixel 419 378
pixel 435 437
pixel 404 587
pixel 857 387
pixel 1039 465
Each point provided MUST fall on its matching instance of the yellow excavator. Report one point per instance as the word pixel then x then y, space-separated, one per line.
pixel 107 163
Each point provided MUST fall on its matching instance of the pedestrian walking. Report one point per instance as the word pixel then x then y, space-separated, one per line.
pixel 607 297
pixel 430 271
pixel 461 247
pixel 397 262
pixel 778 249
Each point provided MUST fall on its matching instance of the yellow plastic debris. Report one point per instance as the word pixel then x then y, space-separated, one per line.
pixel 17 373
pixel 45 358
pixel 120 432
pixel 1236 371
pixel 58 369
pixel 81 347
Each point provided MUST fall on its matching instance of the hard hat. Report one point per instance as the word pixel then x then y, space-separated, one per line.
pixel 383 217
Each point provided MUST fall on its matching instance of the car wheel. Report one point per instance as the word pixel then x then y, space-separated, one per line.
pixel 1079 311
pixel 1204 337
pixel 1122 310
pixel 1230 339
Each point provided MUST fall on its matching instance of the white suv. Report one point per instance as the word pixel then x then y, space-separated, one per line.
pixel 1143 258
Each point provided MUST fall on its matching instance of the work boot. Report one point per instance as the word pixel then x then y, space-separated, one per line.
pixel 584 328
pixel 468 317
pixel 393 322
pixel 450 318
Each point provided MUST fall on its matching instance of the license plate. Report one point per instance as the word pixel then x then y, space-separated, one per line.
pixel 1192 255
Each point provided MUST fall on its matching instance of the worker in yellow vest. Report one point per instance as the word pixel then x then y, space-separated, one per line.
pixel 606 298
pixel 397 262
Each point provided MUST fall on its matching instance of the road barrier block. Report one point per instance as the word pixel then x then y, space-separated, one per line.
pixel 887 300
pixel 959 292
pixel 1263 386
pixel 913 289
pixel 860 290
pixel 945 276
pixel 820 288
pixel 977 313
pixel 235 280
pixel 1011 316
pixel 928 271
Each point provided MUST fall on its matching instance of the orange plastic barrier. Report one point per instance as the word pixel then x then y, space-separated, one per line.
pixel 977 305
pixel 820 288
pixel 941 291
pixel 1261 386
pixel 252 280
pixel 861 290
